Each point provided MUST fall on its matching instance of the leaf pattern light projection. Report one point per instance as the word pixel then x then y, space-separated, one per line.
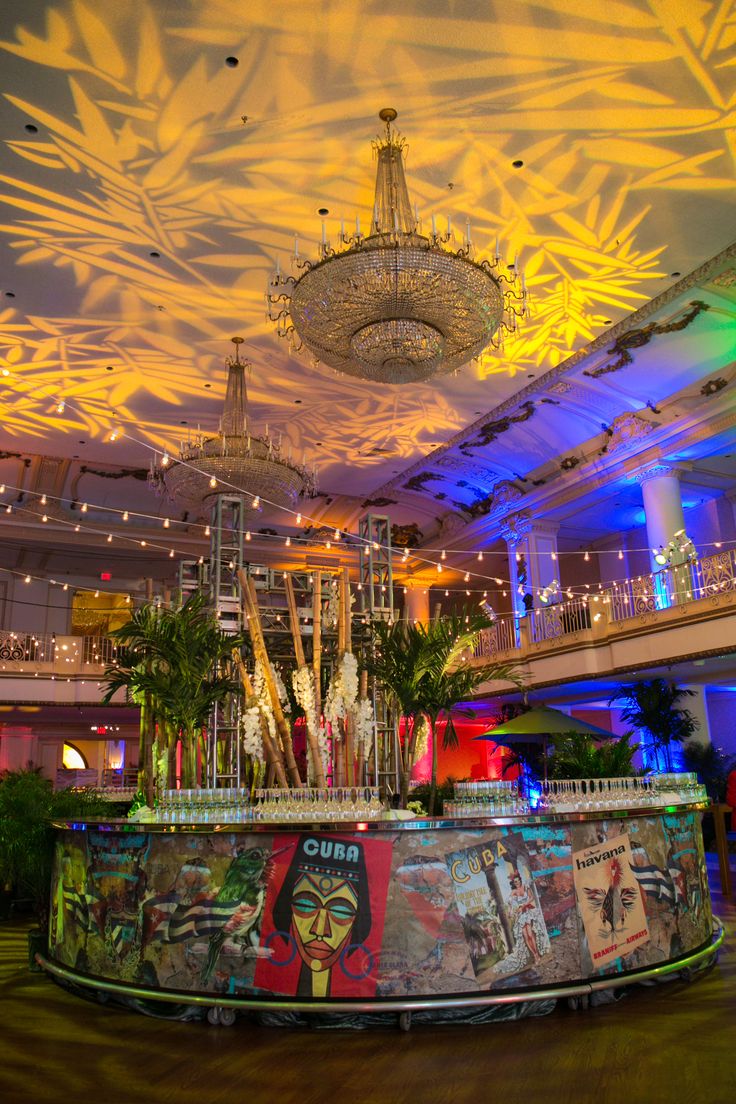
pixel 143 214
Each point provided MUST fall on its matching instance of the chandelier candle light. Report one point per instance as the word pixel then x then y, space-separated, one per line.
pixel 396 305
pixel 236 460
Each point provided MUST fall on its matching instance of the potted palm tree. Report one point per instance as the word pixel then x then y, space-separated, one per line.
pixel 579 755
pixel 28 805
pixel 425 673
pixel 176 664
pixel 653 706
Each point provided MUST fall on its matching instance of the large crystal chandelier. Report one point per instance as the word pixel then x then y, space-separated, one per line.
pixel 395 305
pixel 235 460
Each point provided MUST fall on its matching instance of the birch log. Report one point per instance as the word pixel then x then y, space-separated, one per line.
pixel 312 736
pixel 250 602
pixel 274 758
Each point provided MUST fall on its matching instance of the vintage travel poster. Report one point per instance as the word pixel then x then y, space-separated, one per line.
pixel 323 916
pixel 609 900
pixel 498 903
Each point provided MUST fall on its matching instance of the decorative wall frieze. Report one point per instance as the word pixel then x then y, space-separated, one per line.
pixel 515 526
pixel 638 338
pixel 627 430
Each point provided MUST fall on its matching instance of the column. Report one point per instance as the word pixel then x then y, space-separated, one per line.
pixel 533 565
pixel 660 490
pixel 416 604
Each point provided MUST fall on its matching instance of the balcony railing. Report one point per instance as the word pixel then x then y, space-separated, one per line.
pixel 672 586
pixel 643 594
pixel 54 654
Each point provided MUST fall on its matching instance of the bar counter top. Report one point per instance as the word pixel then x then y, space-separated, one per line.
pixel 416 824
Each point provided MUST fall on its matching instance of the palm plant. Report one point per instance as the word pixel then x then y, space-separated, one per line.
pixel 653 705
pixel 424 672
pixel 176 664
pixel 577 755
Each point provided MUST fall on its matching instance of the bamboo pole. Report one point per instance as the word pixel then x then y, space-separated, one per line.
pixel 347 616
pixel 317 643
pixel 274 758
pixel 360 766
pixel 250 601
pixel 347 644
pixel 312 737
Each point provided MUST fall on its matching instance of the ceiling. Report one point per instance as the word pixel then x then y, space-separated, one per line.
pixel 157 159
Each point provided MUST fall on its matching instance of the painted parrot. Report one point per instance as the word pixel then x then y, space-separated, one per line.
pixel 239 901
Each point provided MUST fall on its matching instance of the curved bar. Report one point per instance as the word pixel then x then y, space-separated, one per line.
pixel 381 915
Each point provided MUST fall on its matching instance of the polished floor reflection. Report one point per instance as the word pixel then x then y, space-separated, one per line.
pixel 667 1044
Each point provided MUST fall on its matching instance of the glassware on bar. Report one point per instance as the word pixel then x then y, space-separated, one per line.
pixel 230 805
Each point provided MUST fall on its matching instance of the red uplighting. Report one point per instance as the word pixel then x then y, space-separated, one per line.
pixel 105 576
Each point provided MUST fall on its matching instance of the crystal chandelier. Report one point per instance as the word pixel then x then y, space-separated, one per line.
pixel 395 305
pixel 236 461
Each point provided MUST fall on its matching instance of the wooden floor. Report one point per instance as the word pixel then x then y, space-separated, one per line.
pixel 669 1044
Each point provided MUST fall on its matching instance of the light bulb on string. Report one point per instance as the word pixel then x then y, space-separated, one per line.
pixel 443 555
pixel 45 517
pixel 256 502
pixel 298 519
pixel 480 557
pixel 620 554
pixel 467 576
pixel 165 460
pixel 207 530
pixel 171 554
pixel 586 557
pixel 77 528
pixel 44 500
pixel 213 482
pixel 84 508
pixel 366 550
pixel 167 523
pixel 247 535
pixel 125 515
pixel 337 534
pixel 109 538
pixel 287 542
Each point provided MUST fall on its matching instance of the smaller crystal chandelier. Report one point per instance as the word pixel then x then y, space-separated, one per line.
pixel 396 305
pixel 235 461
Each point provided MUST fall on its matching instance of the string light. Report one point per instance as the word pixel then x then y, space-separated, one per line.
pixel 165 460
pixel 443 555
pixel 287 542
pixel 467 576
pixel 586 557
pixel 125 515
pixel 84 508
pixel 213 482
pixel 337 534
pixel 44 518
pixel 480 557
pixel 247 535
pixel 109 538
pixel 167 523
pixel 256 502
pixel 298 519
pixel 207 530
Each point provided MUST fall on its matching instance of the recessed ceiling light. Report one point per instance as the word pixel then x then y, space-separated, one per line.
pixel 607 321
pixel 323 210
pixel 298 402
pixel 83 442
pixel 31 128
pixel 675 274
pixel 517 164
pixel 10 294
pixel 154 253
pixel 530 376
pixel 231 62
pixel 183 421
pixel 208 385
pixel 109 368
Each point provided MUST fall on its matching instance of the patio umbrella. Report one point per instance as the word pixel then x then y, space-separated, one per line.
pixel 536 725
pixel 543 721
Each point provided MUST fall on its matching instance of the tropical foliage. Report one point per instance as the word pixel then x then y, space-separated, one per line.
pixel 578 755
pixel 28 804
pixel 653 706
pixel 176 664
pixel 424 672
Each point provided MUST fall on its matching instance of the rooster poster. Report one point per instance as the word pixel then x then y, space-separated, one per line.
pixel 609 900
